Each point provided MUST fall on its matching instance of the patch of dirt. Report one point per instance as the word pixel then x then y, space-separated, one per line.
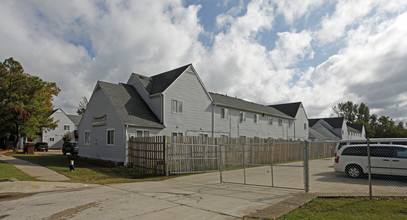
pixel 12 196
pixel 69 213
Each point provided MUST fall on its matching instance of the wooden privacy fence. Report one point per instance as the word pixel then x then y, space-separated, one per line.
pixel 164 155
pixel 147 154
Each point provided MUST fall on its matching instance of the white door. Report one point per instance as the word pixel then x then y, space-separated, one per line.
pixel 381 160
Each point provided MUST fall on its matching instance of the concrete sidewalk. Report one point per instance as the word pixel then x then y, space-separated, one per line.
pixel 34 170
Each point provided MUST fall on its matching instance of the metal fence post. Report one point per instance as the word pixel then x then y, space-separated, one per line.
pixel 271 164
pixel 306 165
pixel 369 169
pixel 244 163
pixel 220 163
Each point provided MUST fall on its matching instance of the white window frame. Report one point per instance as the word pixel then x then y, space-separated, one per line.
pixel 86 140
pixel 270 120
pixel 223 113
pixel 107 137
pixel 280 122
pixel 176 106
pixel 256 118
pixel 67 126
pixel 305 126
pixel 242 117
pixel 177 134
pixel 290 123
pixel 143 133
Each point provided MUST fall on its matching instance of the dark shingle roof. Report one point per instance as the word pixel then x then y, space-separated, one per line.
pixel 129 105
pixel 358 127
pixel 159 83
pixel 75 118
pixel 336 122
pixel 312 122
pixel 290 109
pixel 236 103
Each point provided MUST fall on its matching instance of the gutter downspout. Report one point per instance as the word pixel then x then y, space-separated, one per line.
pixel 213 118
pixel 126 150
pixel 162 108
pixel 294 121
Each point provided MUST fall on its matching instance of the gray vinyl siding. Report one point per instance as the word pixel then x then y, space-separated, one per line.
pixel 57 134
pixel 234 128
pixel 196 116
pixel 98 106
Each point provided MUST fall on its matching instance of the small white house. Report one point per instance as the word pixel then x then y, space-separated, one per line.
pixel 334 129
pixel 66 123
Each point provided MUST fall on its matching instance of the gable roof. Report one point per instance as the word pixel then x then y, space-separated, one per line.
pixel 159 83
pixel 312 121
pixel 75 118
pixel 358 127
pixel 335 122
pixel 290 109
pixel 236 103
pixel 129 105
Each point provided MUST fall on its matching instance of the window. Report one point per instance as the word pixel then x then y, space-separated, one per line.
pixel 176 106
pixel 66 128
pixel 224 136
pixel 141 133
pixel 256 118
pixel 270 121
pixel 242 117
pixel 355 151
pixel 224 113
pixel 401 152
pixel 175 134
pixel 305 126
pixel 290 123
pixel 87 137
pixel 280 122
pixel 110 137
pixel 51 139
pixel 381 151
pixel 203 135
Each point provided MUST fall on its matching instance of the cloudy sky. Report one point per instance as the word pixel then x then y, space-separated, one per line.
pixel 320 52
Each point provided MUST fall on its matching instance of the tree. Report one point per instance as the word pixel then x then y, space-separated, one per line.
pixel 379 127
pixel 25 102
pixel 363 113
pixel 82 106
pixel 67 137
pixel 348 110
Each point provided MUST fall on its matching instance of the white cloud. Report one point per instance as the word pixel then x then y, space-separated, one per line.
pixel 290 48
pixel 76 43
pixel 124 37
pixel 293 10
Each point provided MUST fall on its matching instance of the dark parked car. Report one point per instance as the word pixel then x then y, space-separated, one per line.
pixel 70 147
pixel 41 146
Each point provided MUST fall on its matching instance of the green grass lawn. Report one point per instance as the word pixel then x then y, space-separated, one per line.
pixel 8 171
pixel 88 170
pixel 352 208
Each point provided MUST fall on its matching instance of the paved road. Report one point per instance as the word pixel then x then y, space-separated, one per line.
pixel 196 196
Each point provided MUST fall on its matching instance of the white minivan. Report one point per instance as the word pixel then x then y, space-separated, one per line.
pixel 387 159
